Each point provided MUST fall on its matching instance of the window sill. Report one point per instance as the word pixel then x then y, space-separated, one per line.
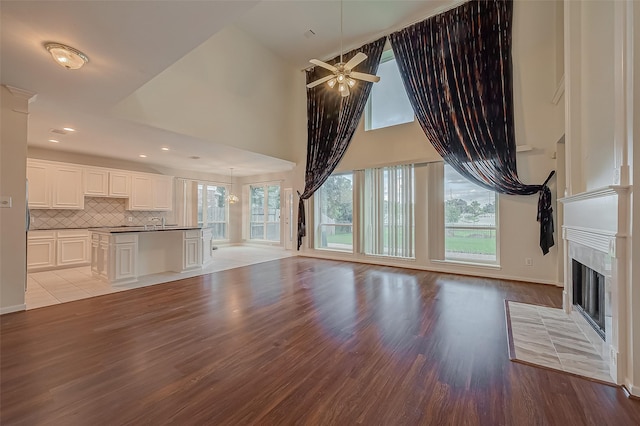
pixel 469 264
pixel 394 258
pixel 330 250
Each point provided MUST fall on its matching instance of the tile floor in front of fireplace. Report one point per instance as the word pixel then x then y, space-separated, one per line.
pixel 550 338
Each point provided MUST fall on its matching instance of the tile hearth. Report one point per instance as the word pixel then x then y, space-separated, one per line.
pixel 550 338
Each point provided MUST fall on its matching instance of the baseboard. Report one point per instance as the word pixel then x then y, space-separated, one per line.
pixel 461 269
pixel 15 308
pixel 631 391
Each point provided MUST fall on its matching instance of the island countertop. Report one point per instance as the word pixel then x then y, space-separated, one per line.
pixel 122 229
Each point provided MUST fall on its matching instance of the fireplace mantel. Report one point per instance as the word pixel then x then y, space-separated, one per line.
pixel 595 230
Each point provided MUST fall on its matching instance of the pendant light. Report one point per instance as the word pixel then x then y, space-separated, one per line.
pixel 232 198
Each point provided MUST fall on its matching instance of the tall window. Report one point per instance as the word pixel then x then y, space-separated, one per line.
pixel 470 220
pixel 389 211
pixel 213 208
pixel 388 103
pixel 334 213
pixel 265 212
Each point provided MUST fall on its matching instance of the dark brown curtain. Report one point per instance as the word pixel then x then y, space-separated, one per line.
pixel 331 123
pixel 456 68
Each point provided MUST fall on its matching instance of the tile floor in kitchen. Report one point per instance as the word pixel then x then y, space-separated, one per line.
pixel 65 285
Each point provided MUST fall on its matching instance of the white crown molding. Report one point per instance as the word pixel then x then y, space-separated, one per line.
pixel 22 93
pixel 606 191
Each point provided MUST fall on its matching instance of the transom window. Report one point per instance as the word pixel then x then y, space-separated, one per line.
pixel 388 104
pixel 265 212
pixel 470 220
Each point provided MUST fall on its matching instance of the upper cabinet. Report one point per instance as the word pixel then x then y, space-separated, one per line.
pixel 38 183
pixel 119 184
pixel 54 185
pixel 151 192
pixel 68 189
pixel 99 182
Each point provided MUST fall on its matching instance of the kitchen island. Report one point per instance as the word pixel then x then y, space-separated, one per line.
pixel 123 254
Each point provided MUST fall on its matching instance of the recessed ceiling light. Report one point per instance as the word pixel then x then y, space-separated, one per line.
pixel 54 141
pixel 164 148
pixel 69 129
pixel 142 156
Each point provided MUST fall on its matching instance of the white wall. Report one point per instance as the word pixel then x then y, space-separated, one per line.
pixel 230 90
pixel 597 87
pixel 539 124
pixel 13 172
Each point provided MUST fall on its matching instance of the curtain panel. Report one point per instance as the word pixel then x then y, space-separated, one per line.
pixel 331 122
pixel 456 68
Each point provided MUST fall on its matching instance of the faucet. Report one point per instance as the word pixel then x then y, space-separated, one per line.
pixel 155 220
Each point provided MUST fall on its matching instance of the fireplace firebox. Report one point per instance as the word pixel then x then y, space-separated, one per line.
pixel 588 295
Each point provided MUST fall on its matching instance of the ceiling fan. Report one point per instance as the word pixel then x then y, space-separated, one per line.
pixel 343 74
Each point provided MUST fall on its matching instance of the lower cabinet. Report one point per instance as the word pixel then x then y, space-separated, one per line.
pixel 49 249
pixel 41 250
pixel 114 256
pixel 207 246
pixel 192 256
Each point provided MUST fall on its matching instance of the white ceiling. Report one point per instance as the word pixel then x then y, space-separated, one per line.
pixel 130 42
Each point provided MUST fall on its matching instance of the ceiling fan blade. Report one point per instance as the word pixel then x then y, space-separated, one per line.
pixel 365 77
pixel 319 81
pixel 353 62
pixel 323 65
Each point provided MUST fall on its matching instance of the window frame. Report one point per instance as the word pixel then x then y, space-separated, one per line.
pixel 381 226
pixel 317 206
pixel 265 208
pixel 201 207
pixel 495 228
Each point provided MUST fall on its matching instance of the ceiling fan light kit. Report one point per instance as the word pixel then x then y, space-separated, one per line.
pixel 343 74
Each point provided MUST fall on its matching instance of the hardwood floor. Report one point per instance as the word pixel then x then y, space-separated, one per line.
pixel 292 341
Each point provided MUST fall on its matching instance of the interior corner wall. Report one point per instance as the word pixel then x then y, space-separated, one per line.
pixel 230 90
pixel 539 124
pixel 13 172
pixel 634 155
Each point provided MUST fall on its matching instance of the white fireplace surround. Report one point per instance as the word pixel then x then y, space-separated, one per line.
pixel 596 230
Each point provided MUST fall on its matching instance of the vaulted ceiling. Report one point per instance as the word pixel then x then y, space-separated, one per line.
pixel 140 49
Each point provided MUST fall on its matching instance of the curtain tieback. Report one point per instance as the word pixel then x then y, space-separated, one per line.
pixel 553 172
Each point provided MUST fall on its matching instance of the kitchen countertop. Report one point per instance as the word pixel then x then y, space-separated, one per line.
pixel 121 229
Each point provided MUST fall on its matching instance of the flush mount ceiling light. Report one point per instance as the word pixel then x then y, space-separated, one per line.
pixel 232 198
pixel 69 129
pixel 67 56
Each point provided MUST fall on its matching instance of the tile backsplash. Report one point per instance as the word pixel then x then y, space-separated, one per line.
pixel 97 212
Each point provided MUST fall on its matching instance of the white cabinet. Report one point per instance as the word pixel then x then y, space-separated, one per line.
pixel 68 192
pixel 96 182
pixel 163 193
pixel 72 247
pixel 125 261
pixel 192 256
pixel 41 249
pixel 207 246
pixel 55 185
pixel 119 184
pixel 39 185
pixel 151 192
pixel 48 249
